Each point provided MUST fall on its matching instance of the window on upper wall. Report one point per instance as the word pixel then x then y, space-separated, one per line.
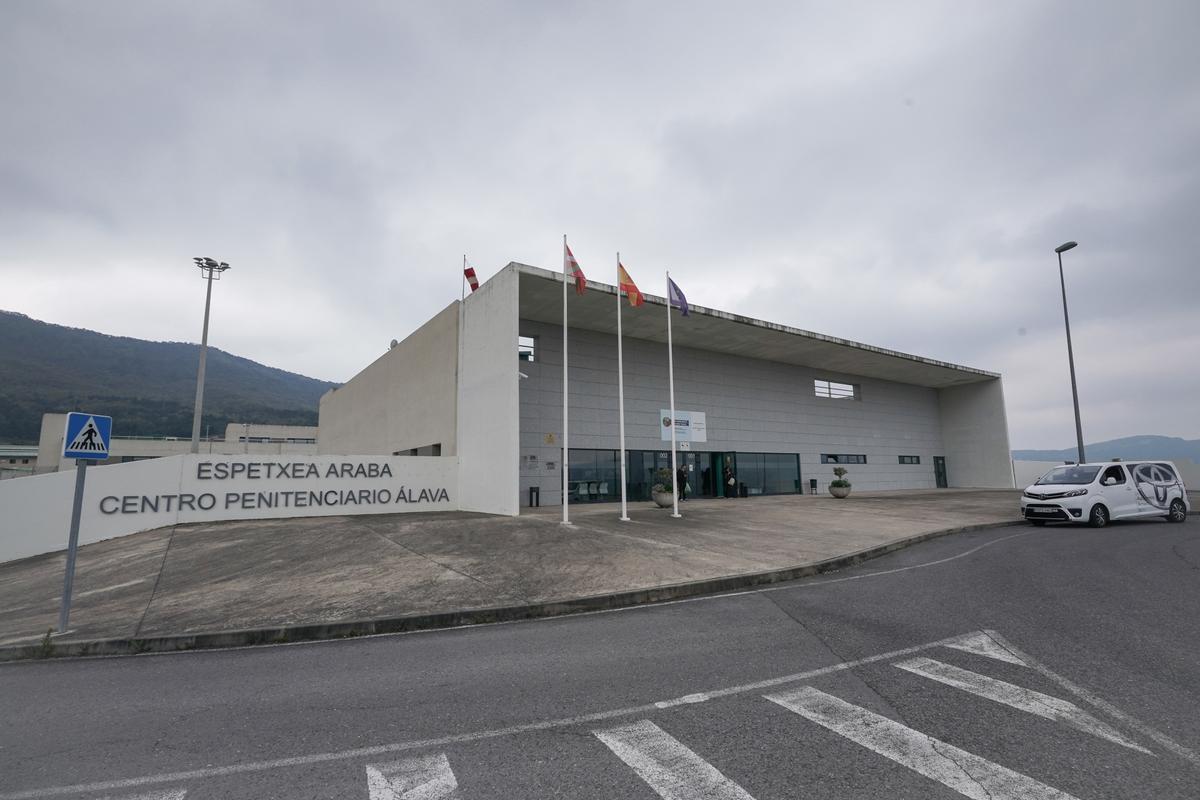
pixel 526 346
pixel 842 458
pixel 910 459
pixel 836 391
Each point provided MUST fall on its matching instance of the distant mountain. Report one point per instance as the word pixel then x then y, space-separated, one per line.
pixel 1130 448
pixel 149 388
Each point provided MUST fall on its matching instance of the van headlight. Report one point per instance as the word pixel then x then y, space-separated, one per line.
pixel 1030 494
pixel 1075 493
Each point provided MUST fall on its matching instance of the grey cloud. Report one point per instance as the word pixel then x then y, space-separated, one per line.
pixel 892 174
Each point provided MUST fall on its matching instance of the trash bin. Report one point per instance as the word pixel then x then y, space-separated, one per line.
pixel 535 496
pixel 812 485
pixel 742 490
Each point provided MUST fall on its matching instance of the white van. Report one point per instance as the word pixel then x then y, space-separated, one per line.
pixel 1098 493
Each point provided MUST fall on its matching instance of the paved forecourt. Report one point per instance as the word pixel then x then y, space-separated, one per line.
pixel 256 574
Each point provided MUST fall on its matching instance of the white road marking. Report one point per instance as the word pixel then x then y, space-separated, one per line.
pixel 169 794
pixel 667 766
pixel 1097 702
pixel 112 588
pixel 698 697
pixel 813 583
pixel 426 777
pixel 983 645
pixel 421 744
pixel 965 773
pixel 1018 697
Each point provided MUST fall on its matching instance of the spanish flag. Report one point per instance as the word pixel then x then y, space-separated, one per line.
pixel 627 286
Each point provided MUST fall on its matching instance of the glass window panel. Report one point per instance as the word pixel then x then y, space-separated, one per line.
pixel 751 471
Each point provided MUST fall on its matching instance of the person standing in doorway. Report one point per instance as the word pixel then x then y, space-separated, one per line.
pixel 729 481
pixel 681 477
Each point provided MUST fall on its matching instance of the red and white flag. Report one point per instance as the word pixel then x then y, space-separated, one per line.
pixel 469 274
pixel 571 267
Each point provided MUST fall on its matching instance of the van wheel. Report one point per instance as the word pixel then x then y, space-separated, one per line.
pixel 1037 523
pixel 1178 511
pixel 1099 516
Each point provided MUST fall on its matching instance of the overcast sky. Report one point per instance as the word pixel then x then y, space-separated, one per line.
pixel 893 173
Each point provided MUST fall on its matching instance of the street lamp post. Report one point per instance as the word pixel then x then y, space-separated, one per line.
pixel 1062 248
pixel 210 270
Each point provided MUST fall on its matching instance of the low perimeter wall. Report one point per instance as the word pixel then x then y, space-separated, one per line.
pixel 35 512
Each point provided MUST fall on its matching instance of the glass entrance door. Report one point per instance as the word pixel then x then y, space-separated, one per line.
pixel 719 483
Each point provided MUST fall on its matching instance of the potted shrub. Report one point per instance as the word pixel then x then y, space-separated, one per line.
pixel 663 489
pixel 839 487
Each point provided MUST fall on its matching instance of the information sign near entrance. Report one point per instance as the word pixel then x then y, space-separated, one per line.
pixel 86 438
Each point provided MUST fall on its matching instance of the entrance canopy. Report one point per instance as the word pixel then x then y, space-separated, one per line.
pixel 540 293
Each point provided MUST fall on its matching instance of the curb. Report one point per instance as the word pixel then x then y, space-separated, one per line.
pixel 454 619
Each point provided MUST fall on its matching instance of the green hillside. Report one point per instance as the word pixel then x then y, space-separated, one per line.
pixel 149 388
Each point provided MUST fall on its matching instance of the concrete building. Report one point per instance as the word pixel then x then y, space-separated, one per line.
pixel 780 407
pixel 17 460
pixel 240 439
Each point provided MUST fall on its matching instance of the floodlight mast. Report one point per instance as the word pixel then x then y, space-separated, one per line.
pixel 1062 248
pixel 210 270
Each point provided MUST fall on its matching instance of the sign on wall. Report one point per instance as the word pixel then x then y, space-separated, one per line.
pixel 142 495
pixel 690 426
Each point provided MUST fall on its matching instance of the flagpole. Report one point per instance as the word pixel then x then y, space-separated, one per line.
pixel 462 307
pixel 565 500
pixel 671 383
pixel 621 393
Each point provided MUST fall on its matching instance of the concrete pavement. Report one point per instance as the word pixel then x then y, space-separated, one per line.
pixel 274 575
pixel 1102 622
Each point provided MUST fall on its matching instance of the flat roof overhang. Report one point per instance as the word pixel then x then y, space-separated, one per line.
pixel 540 293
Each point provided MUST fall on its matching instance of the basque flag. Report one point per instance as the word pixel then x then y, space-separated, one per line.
pixel 676 297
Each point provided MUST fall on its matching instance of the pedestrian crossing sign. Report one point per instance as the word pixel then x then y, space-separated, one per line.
pixel 87 436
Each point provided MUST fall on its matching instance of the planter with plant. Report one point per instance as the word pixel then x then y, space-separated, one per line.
pixel 663 489
pixel 839 487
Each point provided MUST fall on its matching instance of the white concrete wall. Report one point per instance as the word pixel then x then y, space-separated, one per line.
pixel 404 400
pixel 975 433
pixel 488 417
pixel 35 512
pixel 752 406
pixel 1190 472
pixel 236 431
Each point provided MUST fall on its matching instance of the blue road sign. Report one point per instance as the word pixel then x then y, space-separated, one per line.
pixel 87 436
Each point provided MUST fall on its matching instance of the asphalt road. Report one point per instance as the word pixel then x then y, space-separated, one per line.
pixel 1011 663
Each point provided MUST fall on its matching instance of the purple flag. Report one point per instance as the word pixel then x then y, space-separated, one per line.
pixel 676 298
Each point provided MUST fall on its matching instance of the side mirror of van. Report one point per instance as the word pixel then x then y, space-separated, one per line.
pixel 1109 482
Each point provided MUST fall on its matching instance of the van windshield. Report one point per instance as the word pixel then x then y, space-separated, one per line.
pixel 1072 474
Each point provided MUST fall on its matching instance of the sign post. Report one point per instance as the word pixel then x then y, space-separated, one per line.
pixel 86 439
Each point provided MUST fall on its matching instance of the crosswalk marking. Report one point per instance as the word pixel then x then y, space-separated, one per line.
pixel 981 644
pixel 1095 701
pixel 1018 697
pixel 670 768
pixel 965 773
pixel 421 778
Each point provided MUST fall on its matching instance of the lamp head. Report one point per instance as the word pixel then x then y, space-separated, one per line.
pixel 1062 248
pixel 210 264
